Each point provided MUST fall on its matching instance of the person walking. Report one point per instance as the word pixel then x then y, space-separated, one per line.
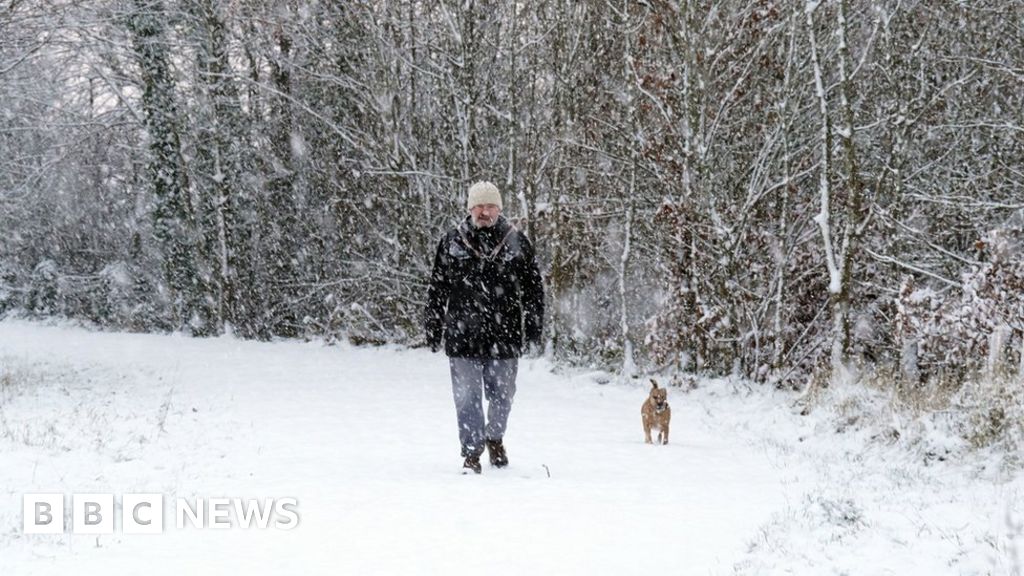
pixel 486 302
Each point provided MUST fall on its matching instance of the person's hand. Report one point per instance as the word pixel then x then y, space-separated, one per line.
pixel 534 349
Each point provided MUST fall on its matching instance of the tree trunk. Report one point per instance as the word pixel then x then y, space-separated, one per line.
pixel 173 215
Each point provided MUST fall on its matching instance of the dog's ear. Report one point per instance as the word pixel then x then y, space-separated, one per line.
pixel 654 383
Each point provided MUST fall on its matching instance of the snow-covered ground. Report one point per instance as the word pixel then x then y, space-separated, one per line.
pixel 365 440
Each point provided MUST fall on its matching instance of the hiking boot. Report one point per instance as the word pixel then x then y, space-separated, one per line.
pixel 472 463
pixel 496 450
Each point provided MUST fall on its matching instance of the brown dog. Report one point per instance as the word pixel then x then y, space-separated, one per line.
pixel 656 414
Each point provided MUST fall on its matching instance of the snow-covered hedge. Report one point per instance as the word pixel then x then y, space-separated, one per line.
pixel 977 328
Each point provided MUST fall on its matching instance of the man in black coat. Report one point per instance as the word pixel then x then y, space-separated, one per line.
pixel 486 298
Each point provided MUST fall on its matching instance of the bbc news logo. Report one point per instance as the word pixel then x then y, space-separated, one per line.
pixel 144 513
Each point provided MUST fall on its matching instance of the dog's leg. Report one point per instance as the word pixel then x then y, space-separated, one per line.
pixel 647 431
pixel 664 433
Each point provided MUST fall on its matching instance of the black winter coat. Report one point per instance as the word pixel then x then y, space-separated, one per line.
pixel 480 301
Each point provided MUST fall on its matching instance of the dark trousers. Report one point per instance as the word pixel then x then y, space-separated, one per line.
pixel 474 379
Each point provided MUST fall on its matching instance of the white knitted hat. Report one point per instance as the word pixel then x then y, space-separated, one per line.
pixel 483 193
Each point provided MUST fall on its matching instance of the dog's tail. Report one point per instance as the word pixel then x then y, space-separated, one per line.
pixel 654 384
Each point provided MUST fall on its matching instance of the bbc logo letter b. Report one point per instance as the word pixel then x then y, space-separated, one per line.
pixel 43 513
pixel 92 513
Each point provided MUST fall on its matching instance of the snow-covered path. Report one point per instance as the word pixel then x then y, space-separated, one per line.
pixel 365 440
